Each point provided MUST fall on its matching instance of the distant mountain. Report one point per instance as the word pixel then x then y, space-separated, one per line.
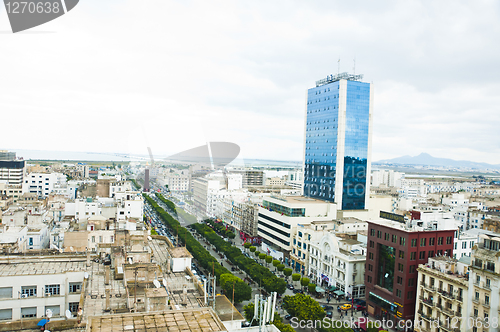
pixel 426 159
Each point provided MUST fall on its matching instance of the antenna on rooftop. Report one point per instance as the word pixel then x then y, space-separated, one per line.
pixel 354 68
pixel 338 65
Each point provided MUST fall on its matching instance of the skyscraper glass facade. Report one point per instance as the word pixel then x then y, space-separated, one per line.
pixel 337 116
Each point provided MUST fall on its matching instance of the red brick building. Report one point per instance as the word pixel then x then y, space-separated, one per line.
pixel 394 253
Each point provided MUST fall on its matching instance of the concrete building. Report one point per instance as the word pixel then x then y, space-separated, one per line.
pixel 42 184
pixel 442 296
pixel 251 177
pixel 275 181
pixel 279 217
pixel 12 172
pixel 484 284
pixel 337 140
pixel 394 252
pixel 31 285
pixel 180 259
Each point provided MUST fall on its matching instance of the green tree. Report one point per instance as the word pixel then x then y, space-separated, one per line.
pixel 303 307
pixel 304 282
pixel 269 259
pixel 287 272
pixel 242 292
pixel 247 245
pixel 275 264
pixel 311 288
pixel 296 277
pixel 256 253
pixel 262 256
pixel 280 267
pixel 252 248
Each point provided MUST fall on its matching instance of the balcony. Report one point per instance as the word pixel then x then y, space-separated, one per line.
pixel 449 312
pixel 475 300
pixel 461 299
pixel 424 316
pixel 448 327
pixel 428 302
pixel 429 288
pixel 446 294
pixel 485 304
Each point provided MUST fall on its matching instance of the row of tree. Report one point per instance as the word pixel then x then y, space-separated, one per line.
pixel 260 274
pixel 242 291
pixel 136 185
pixel 220 229
pixel 168 203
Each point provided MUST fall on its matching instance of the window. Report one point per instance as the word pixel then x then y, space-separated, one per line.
pixel 93 239
pixel 401 254
pixel 52 289
pixel 379 234
pixel 421 255
pixel 394 238
pixel 370 267
pixel 410 295
pixel 5 314
pixel 413 255
pixel 411 282
pixel 414 242
pixel 372 244
pixel 399 281
pixel 412 268
pixel 73 307
pixel 370 255
pixel 28 312
pixel 400 267
pixel 5 292
pixel 28 291
pixel 372 232
pixel 422 242
pixel 449 240
pixel 431 253
pixel 464 245
pixel 486 300
pixel 440 241
pixel 75 287
pixel 386 236
pixel 432 240
pixel 398 292
pixel 56 310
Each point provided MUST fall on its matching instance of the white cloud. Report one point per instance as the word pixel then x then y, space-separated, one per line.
pixel 124 75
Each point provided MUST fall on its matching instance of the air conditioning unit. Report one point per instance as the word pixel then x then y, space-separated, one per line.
pixel 48 294
pixel 23 296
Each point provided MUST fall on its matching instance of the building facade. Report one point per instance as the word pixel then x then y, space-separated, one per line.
pixel 394 253
pixel 337 138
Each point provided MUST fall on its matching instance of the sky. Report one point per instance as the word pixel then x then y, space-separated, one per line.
pixel 119 76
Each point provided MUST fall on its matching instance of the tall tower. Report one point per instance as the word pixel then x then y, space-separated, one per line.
pixel 337 149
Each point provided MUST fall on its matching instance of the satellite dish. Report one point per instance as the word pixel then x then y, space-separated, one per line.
pixel 150 238
pixel 48 313
pixel 68 314
pixel 86 275
pixel 164 282
pixel 156 283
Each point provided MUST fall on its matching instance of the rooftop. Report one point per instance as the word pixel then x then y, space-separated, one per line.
pixel 338 77
pixel 180 252
pixel 404 227
pixel 199 320
pixel 41 265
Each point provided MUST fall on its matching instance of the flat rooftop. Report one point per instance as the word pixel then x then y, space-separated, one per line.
pixel 36 266
pixel 403 227
pixel 297 199
pixel 180 252
pixel 199 320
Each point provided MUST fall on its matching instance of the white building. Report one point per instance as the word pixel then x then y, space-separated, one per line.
pixel 38 237
pixel 43 184
pixel 30 286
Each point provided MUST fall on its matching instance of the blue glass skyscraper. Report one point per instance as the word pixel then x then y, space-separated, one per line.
pixel 337 155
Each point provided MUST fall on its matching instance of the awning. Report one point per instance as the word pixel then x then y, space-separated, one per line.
pixel 331 288
pixel 339 293
pixel 319 289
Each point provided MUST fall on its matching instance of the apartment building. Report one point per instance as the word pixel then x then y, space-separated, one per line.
pixel 484 284
pixel 442 295
pixel 42 184
pixel 12 172
pixel 31 285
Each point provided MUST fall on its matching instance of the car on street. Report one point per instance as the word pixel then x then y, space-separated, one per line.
pixel 288 317
pixel 329 314
pixel 290 286
pixel 359 307
pixel 346 306
pixel 296 291
pixel 327 307
pixel 360 301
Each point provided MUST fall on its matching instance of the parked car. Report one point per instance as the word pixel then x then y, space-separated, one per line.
pixel 329 314
pixel 290 286
pixel 327 307
pixel 360 301
pixel 346 306
pixel 288 317
pixel 295 291
pixel 359 307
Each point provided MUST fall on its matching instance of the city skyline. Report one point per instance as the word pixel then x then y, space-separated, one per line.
pixel 239 73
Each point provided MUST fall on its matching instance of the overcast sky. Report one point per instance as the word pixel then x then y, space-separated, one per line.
pixel 123 75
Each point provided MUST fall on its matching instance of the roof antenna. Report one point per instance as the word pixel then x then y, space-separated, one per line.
pixel 354 66
pixel 338 65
